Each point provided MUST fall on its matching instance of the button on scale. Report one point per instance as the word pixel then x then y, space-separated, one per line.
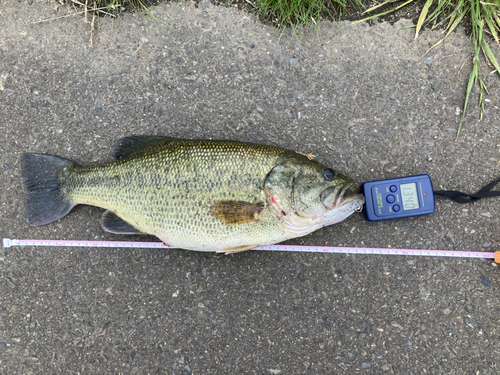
pixel 393 188
pixel 390 198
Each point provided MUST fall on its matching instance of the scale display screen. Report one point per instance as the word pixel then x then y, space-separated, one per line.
pixel 409 196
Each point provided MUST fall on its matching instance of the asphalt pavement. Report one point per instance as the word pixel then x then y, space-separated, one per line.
pixel 366 100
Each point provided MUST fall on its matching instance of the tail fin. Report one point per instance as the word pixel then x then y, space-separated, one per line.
pixel 41 175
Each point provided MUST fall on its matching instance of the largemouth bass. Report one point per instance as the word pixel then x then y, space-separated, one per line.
pixel 223 196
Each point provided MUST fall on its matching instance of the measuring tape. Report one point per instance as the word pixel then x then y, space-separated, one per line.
pixel 7 242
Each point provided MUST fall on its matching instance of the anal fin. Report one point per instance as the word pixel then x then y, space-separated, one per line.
pixel 236 249
pixel 112 223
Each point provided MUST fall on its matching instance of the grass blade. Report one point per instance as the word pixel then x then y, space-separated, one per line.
pixel 477 36
pixel 472 80
pixel 452 27
pixel 488 19
pixel 441 6
pixel 378 6
pixel 381 14
pixel 423 15
pixel 495 16
pixel 489 55
pixel 460 8
pixel 481 101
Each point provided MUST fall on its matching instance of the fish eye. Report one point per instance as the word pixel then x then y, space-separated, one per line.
pixel 329 174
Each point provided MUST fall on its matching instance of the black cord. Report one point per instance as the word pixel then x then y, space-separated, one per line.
pixel 460 197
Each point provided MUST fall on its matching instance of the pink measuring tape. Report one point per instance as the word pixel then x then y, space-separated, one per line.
pixel 7 242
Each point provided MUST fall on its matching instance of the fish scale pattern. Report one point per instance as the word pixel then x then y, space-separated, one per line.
pixel 168 190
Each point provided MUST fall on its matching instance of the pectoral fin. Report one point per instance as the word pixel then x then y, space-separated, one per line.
pixel 237 249
pixel 236 212
pixel 112 223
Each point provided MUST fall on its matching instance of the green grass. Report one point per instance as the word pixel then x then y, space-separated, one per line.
pixel 299 13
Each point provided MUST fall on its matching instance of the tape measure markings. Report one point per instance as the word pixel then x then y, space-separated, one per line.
pixel 311 249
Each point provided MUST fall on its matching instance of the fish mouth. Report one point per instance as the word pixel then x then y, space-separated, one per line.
pixel 349 195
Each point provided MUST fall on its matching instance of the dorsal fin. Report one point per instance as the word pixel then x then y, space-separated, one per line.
pixel 112 223
pixel 128 145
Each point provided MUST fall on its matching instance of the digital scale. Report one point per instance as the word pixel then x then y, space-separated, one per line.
pixel 398 197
